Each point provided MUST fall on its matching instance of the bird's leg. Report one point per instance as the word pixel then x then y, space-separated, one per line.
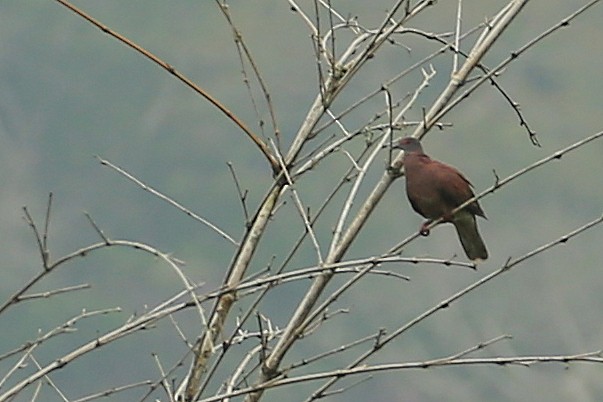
pixel 424 231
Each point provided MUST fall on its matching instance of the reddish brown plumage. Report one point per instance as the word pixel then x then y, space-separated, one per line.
pixel 435 189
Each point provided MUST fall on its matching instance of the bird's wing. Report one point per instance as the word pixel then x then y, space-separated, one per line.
pixel 454 188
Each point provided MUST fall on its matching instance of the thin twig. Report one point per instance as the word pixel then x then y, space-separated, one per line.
pixel 593 357
pixel 43 252
pixel 242 194
pixel 243 50
pixel 50 293
pixel 165 384
pixel 167 199
pixel 339 349
pixel 47 227
pixel 115 390
pixel 299 205
pixel 98 230
pixel 514 105
pixel 49 381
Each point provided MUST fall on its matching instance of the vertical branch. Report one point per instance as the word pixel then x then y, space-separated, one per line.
pixel 204 348
pixel 46 228
pixel 457 36
pixel 244 50
pixel 242 194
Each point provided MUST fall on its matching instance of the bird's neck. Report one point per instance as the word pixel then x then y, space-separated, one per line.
pixel 416 157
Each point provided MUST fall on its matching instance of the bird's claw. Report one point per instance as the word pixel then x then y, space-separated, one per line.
pixel 424 231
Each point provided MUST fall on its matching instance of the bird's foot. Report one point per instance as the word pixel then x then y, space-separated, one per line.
pixel 424 231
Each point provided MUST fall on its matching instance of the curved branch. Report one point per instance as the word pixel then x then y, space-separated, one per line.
pixel 263 147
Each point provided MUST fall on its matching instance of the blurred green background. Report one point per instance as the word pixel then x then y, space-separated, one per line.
pixel 69 92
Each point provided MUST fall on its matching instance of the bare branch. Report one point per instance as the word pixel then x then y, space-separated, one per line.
pixel 129 328
pixel 164 383
pixel 47 226
pixel 242 194
pixel 457 36
pixel 41 242
pixel 514 55
pixel 477 53
pixel 233 355
pixel 49 381
pixel 167 199
pixel 115 390
pixel 50 293
pixel 593 357
pixel 84 251
pixel 204 348
pixel 448 301
pixel 170 69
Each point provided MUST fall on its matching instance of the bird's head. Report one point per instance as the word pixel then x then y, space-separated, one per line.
pixel 409 145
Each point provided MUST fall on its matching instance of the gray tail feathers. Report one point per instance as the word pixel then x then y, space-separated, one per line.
pixel 472 242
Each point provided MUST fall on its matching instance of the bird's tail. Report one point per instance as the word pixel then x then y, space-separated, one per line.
pixel 466 227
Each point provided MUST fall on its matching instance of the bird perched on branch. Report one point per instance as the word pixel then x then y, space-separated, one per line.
pixel 435 189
